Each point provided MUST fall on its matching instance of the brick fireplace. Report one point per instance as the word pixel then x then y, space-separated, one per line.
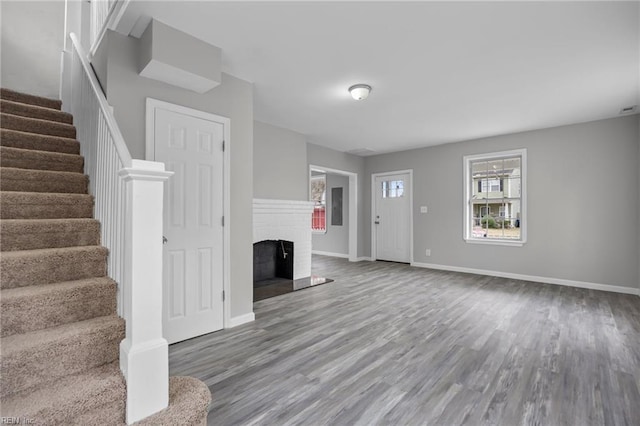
pixel 289 221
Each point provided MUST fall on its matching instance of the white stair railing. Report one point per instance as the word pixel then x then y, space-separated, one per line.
pixel 128 203
pixel 100 12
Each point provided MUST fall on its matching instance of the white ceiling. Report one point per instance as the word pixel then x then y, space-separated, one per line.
pixel 440 72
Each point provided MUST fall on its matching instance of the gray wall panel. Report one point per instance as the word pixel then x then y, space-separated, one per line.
pixel 583 203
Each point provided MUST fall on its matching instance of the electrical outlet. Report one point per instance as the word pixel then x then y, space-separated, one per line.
pixel 423 209
pixel 428 252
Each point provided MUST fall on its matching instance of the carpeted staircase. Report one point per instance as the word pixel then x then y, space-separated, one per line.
pixel 60 333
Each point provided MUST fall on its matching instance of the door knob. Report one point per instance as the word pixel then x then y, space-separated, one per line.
pixel 164 240
pixel 377 222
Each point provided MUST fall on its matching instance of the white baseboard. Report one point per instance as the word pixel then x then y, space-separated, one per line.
pixel 547 280
pixel 241 319
pixel 364 259
pixel 327 253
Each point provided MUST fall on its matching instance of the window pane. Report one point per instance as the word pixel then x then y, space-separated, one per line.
pixel 392 188
pixel 495 198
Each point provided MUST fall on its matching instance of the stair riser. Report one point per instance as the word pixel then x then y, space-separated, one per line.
pixel 13 240
pixel 47 268
pixel 34 160
pixel 11 95
pixel 22 140
pixel 77 185
pixel 22 370
pixel 41 127
pixel 32 111
pixel 29 313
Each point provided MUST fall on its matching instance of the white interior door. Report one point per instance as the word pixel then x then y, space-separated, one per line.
pixel 392 217
pixel 193 251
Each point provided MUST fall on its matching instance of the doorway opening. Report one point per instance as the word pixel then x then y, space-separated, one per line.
pixel 338 213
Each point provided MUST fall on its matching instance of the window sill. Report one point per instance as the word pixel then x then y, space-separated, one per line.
pixel 495 242
pixel 313 231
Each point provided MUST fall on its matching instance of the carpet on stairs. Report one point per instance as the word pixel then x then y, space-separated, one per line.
pixel 60 333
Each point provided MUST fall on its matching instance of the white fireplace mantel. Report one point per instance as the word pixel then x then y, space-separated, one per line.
pixel 286 220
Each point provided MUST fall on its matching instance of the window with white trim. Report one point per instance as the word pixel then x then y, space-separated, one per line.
pixel 495 198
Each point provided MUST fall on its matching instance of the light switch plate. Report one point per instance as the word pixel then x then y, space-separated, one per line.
pixel 423 209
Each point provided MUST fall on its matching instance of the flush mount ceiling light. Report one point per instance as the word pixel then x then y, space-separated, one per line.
pixel 360 91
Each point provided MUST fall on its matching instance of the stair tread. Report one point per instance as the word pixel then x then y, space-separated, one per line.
pixel 26 98
pixel 35 111
pixel 42 252
pixel 45 173
pixel 68 396
pixel 39 338
pixel 36 125
pixel 35 224
pixel 41 306
pixel 23 268
pixel 14 179
pixel 45 197
pixel 39 153
pixel 31 159
pixel 27 140
pixel 10 294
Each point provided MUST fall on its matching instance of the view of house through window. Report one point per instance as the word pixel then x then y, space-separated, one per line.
pixel 494 196
pixel 318 196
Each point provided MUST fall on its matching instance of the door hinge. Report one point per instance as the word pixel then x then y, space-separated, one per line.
pixel 222 220
pixel 222 146
pixel 223 296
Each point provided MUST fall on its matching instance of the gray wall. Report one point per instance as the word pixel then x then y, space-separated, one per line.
pixel 336 239
pixel 32 36
pixel 325 157
pixel 127 93
pixel 588 171
pixel 280 169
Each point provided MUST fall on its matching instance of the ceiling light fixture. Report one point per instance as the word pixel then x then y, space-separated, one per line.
pixel 360 91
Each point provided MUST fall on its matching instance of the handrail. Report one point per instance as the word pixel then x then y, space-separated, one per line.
pixel 118 139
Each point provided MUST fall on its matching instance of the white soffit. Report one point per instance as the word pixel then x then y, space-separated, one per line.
pixel 175 76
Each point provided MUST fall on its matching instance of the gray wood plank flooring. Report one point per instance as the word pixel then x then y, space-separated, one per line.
pixel 390 344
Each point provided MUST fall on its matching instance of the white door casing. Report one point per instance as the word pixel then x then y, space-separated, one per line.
pixel 392 219
pixel 194 252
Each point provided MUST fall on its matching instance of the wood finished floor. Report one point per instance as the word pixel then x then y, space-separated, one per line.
pixel 391 344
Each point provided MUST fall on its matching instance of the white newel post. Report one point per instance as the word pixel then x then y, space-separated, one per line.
pixel 144 357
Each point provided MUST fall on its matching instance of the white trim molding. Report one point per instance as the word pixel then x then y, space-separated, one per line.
pixel 328 253
pixel 534 278
pixel 241 319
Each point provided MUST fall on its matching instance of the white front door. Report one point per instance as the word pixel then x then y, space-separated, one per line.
pixel 392 217
pixel 193 251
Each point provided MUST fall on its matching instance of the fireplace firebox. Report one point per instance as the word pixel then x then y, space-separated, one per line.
pixel 272 259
